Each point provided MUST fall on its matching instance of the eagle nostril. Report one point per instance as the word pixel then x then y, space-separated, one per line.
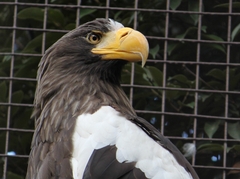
pixel 124 34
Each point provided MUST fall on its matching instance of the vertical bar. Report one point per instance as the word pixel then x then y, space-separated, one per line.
pixel 44 27
pixel 133 66
pixel 227 89
pixel 10 89
pixel 197 76
pixel 165 67
pixel 107 8
pixel 78 13
pixel 135 14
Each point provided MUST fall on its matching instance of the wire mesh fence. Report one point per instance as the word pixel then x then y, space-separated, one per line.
pixel 189 89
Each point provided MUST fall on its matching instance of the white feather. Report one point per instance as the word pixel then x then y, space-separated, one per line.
pixel 114 25
pixel 107 127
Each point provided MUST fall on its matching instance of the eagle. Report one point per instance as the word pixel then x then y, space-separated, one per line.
pixel 86 127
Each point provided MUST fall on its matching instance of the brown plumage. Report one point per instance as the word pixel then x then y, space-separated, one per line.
pixel 71 81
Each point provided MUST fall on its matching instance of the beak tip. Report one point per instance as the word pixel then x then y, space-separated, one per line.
pixel 144 62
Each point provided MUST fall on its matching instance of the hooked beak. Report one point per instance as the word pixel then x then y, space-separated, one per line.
pixel 125 44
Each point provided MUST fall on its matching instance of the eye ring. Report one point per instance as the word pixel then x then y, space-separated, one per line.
pixel 94 38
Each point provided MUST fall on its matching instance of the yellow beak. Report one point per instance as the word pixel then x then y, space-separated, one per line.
pixel 125 44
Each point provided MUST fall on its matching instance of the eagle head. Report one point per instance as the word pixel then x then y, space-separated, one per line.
pixel 102 45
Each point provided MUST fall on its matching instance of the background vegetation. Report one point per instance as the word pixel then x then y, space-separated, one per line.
pixel 181 50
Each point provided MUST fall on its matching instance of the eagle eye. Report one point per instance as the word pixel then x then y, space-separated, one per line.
pixel 94 38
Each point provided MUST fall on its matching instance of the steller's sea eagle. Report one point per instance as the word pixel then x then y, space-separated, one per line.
pixel 85 125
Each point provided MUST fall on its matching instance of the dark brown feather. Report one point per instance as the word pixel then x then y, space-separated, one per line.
pixel 103 164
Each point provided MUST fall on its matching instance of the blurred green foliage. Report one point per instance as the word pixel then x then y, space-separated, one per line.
pixel 181 26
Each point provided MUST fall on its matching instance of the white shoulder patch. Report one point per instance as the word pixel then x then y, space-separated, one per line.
pixel 108 127
pixel 114 25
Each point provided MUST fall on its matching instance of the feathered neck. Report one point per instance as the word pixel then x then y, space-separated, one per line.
pixel 64 93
